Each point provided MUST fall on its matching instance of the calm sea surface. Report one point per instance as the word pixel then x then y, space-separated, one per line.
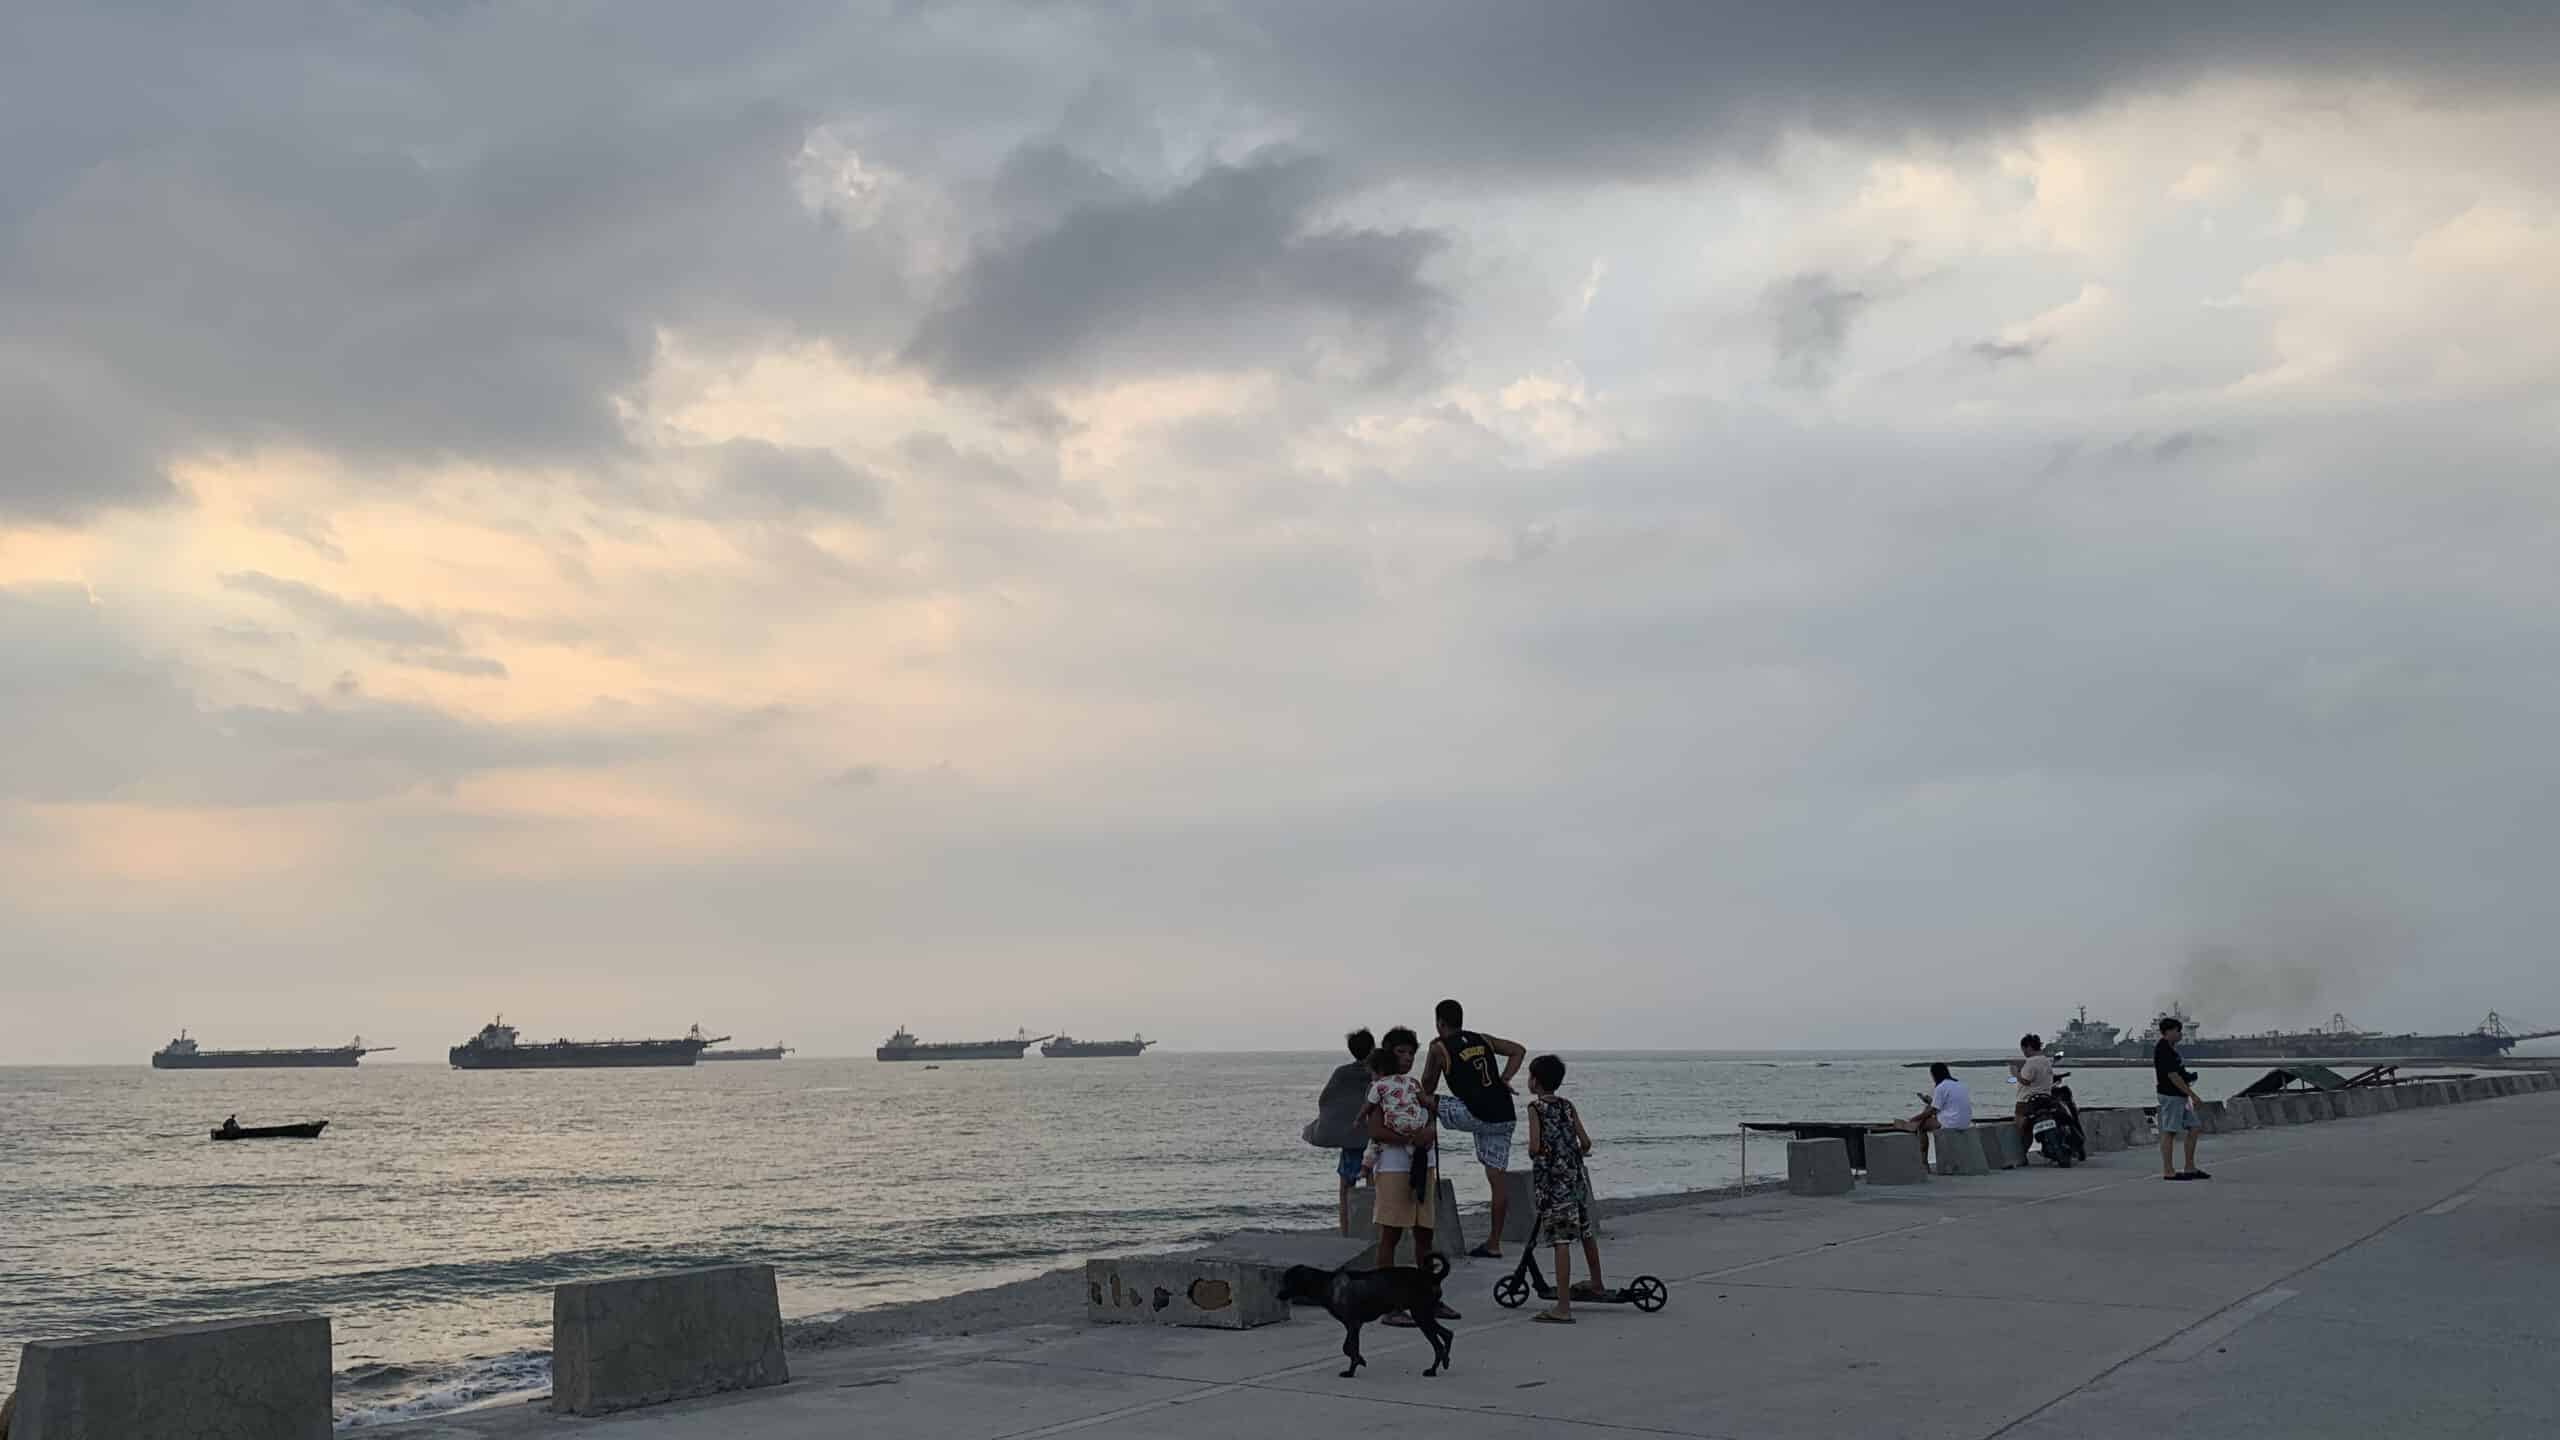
pixel 432 1220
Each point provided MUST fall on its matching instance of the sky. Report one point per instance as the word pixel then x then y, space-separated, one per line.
pixel 1683 525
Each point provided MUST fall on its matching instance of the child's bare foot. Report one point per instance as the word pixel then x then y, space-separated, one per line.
pixel 1557 1316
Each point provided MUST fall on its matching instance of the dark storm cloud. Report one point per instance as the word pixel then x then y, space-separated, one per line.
pixel 1637 87
pixel 1235 267
pixel 95 716
pixel 784 481
pixel 1809 319
pixel 403 636
pixel 2000 352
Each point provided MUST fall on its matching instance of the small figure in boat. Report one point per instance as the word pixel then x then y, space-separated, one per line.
pixel 231 1126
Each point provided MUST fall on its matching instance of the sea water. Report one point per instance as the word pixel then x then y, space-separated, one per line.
pixel 432 1220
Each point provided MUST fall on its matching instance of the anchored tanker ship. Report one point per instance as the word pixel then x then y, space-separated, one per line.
pixel 1067 1047
pixel 765 1052
pixel 496 1048
pixel 904 1046
pixel 2085 1038
pixel 185 1054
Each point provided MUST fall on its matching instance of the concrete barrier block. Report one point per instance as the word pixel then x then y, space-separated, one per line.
pixel 1959 1152
pixel 2297 1109
pixel 634 1340
pixel 2243 1113
pixel 1894 1159
pixel 267 1376
pixel 2544 1080
pixel 2479 1087
pixel 1183 1290
pixel 1448 1228
pixel 1818 1167
pixel 2106 1129
pixel 2510 1085
pixel 2352 1104
pixel 2003 1148
pixel 1520 1207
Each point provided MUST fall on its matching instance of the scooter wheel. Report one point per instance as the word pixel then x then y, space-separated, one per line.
pixel 1648 1294
pixel 1510 1292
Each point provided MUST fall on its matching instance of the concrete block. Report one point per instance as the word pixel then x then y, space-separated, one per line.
pixel 2324 1106
pixel 1894 1159
pixel 1448 1229
pixel 2352 1104
pixel 2243 1113
pixel 1959 1152
pixel 2107 1129
pixel 2297 1109
pixel 2479 1087
pixel 1183 1290
pixel 1818 1167
pixel 2426 1093
pixel 635 1340
pixel 2543 1080
pixel 2003 1148
pixel 1520 1207
pixel 2510 1085
pixel 266 1377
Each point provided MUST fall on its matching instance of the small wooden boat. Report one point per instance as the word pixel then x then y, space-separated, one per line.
pixel 309 1130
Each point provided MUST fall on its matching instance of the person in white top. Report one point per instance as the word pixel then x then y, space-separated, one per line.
pixel 2034 1077
pixel 1948 1106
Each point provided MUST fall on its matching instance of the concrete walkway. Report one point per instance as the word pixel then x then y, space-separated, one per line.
pixel 2394 1275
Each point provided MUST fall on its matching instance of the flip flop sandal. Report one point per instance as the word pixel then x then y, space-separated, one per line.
pixel 2195 1175
pixel 1587 1291
pixel 1482 1252
pixel 1399 1320
pixel 1549 1317
pixel 1445 1313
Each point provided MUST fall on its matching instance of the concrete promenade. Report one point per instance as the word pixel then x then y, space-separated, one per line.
pixel 2393 1275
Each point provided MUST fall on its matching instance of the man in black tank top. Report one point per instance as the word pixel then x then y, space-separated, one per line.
pixel 1478 1068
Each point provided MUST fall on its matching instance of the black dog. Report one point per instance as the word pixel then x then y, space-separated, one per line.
pixel 1356 1297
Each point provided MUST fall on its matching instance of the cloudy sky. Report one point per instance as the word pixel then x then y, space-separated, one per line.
pixel 1687 524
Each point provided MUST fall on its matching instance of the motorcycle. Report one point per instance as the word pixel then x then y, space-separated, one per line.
pixel 2053 1123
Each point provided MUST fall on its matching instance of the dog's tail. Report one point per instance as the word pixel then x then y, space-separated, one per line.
pixel 1437 1266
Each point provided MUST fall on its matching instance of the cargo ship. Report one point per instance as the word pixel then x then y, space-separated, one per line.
pixel 1067 1047
pixel 497 1048
pixel 2338 1040
pixel 767 1052
pixel 905 1046
pixel 185 1054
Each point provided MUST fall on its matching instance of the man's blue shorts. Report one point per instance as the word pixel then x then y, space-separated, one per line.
pixel 2176 1115
pixel 1349 1169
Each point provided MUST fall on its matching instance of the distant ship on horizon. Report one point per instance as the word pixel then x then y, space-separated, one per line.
pixel 1067 1047
pixel 764 1052
pixel 497 1048
pixel 2084 1038
pixel 905 1046
pixel 185 1054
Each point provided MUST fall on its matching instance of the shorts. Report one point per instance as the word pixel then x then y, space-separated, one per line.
pixel 1493 1139
pixel 1349 1166
pixel 1397 1205
pixel 2176 1115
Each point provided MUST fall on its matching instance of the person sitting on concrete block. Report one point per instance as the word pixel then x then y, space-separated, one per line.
pixel 1947 1105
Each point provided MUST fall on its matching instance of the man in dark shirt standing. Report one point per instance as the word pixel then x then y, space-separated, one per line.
pixel 1479 1100
pixel 2180 1111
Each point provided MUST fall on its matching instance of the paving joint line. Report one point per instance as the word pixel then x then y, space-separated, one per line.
pixel 2280 1282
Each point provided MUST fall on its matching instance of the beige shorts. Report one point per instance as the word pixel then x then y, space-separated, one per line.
pixel 1397 1205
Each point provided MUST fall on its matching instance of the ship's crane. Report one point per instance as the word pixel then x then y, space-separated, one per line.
pixel 2496 1027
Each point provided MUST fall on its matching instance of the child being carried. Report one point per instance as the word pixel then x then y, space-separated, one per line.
pixel 1397 1097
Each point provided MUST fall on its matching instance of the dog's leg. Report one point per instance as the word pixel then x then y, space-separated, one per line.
pixel 1441 1339
pixel 1351 1348
pixel 1433 1331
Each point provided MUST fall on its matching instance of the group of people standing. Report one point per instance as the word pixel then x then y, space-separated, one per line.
pixel 1949 1105
pixel 1384 1121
